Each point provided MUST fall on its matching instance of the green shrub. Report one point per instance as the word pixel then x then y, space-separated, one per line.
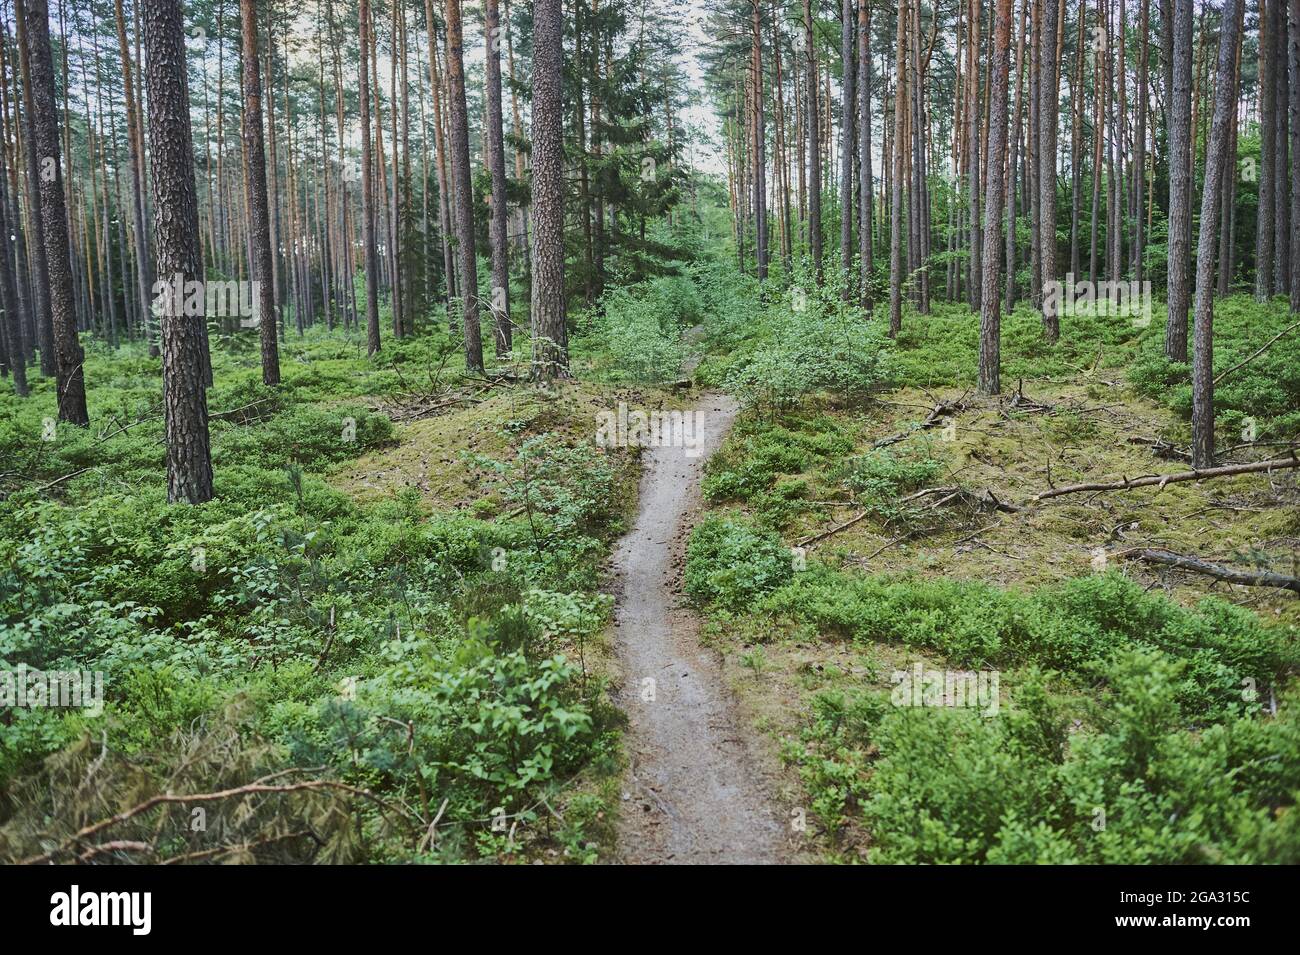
pixel 729 563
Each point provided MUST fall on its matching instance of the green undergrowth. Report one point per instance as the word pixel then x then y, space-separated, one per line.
pixel 1131 725
pixel 383 662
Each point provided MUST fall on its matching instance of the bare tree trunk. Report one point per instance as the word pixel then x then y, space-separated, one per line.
pixel 1203 354
pixel 368 188
pixel 1268 171
pixel 464 190
pixel 866 186
pixel 814 144
pixel 549 331
pixel 973 166
pixel 255 183
pixel 54 216
pixel 990 300
pixel 1014 158
pixel 1180 186
pixel 758 140
pixel 187 369
pixel 896 198
pixel 848 57
pixel 497 165
pixel 1293 65
pixel 1048 106
pixel 1140 142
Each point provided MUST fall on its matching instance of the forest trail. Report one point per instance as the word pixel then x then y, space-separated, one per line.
pixel 695 791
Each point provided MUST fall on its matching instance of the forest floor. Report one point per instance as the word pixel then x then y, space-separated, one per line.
pixel 698 788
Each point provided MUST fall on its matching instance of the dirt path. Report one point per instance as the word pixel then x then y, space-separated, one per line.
pixel 695 792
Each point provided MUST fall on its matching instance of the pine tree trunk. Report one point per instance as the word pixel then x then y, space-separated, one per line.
pixel 896 197
pixel 368 187
pixel 1014 158
pixel 759 140
pixel 463 189
pixel 990 300
pixel 1203 354
pixel 1049 105
pixel 1268 172
pixel 54 218
pixel 255 183
pixel 187 370
pixel 866 186
pixel 1293 106
pixel 497 165
pixel 848 58
pixel 813 108
pixel 550 340
pixel 1180 186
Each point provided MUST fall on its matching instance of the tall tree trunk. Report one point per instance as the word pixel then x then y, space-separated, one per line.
pixel 1140 141
pixel 1268 171
pixel 976 270
pixel 497 165
pixel 550 337
pixel 1014 158
pixel 848 58
pixel 1293 65
pixel 54 216
pixel 990 300
pixel 814 143
pixel 368 188
pixel 896 197
pixel 1049 104
pixel 40 280
pixel 255 184
pixel 866 187
pixel 463 188
pixel 1203 354
pixel 187 369
pixel 1180 185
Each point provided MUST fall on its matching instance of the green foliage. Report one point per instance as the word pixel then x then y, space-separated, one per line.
pixel 729 563
pixel 1265 392
pixel 1229 656
pixel 950 786
pixel 813 342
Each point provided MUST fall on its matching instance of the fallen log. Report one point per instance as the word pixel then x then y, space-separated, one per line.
pixel 1160 480
pixel 1250 578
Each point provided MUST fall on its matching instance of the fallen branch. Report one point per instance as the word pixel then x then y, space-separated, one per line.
pixel 251 789
pixel 937 413
pixel 834 530
pixel 1250 578
pixel 1259 351
pixel 1204 474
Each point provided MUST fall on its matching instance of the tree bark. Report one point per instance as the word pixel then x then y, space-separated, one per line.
pixel 550 340
pixel 1048 107
pixel 187 369
pixel 991 295
pixel 848 57
pixel 812 100
pixel 1225 94
pixel 54 216
pixel 368 187
pixel 1268 171
pixel 255 184
pixel 1180 185
pixel 463 189
pixel 497 165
